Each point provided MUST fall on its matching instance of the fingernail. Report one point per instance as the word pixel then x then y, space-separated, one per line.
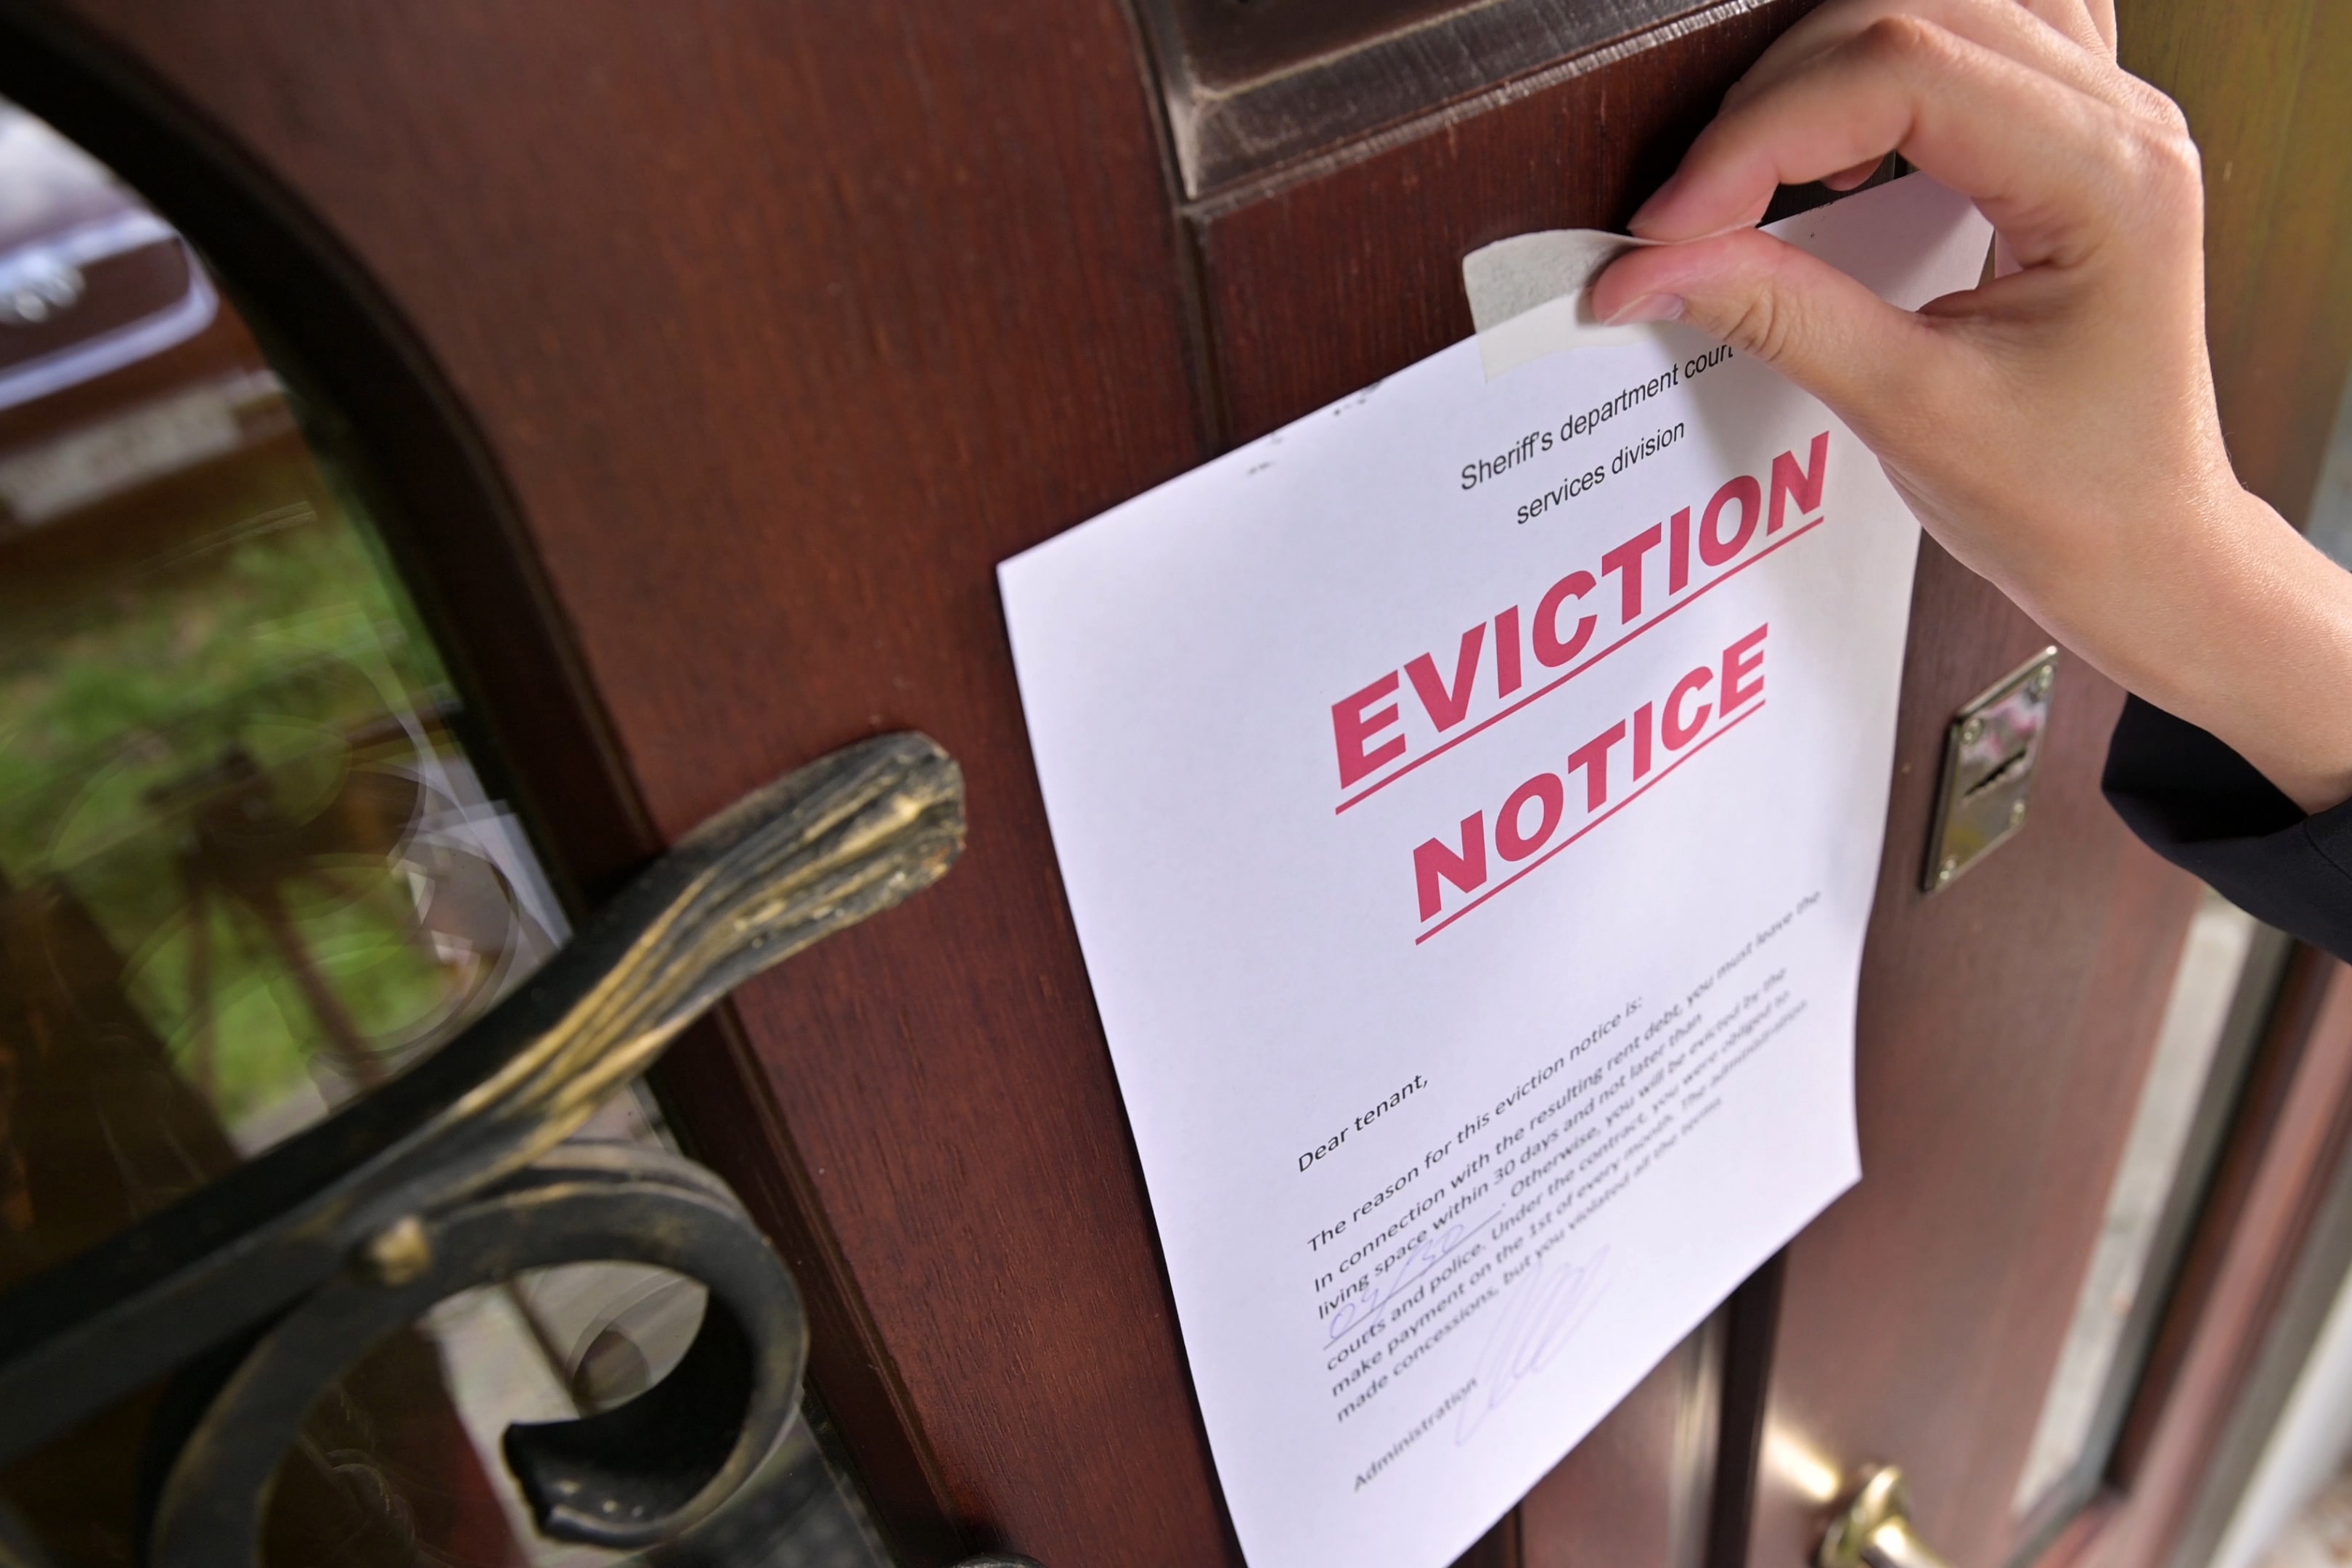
pixel 1657 199
pixel 1649 308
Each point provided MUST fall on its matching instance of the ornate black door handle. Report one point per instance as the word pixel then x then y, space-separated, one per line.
pixel 631 1477
pixel 452 1175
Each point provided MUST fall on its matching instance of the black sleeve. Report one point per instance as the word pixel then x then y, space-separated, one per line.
pixel 2205 808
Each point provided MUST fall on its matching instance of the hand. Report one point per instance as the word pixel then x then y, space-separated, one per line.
pixel 2055 427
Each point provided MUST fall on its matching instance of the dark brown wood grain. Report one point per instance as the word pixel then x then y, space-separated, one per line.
pixel 782 325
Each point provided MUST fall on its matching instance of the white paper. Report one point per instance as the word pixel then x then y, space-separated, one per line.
pixel 1437 1191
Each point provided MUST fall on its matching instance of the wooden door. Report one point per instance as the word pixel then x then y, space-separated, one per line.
pixel 715 354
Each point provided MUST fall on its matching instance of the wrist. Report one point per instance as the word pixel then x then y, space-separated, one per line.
pixel 2246 632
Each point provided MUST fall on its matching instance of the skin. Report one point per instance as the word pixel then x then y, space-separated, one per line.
pixel 2054 428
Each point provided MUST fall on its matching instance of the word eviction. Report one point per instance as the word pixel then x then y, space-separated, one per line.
pixel 1572 624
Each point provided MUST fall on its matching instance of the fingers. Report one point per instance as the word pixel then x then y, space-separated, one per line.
pixel 2102 22
pixel 2052 36
pixel 2032 152
pixel 1854 178
pixel 1815 325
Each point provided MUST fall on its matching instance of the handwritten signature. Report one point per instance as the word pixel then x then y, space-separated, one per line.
pixel 1539 1318
pixel 1414 1264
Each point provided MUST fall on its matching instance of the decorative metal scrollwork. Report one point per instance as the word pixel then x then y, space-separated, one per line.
pixel 630 1476
pixel 456 1174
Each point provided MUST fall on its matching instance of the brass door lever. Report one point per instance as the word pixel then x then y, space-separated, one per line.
pixel 1875 1530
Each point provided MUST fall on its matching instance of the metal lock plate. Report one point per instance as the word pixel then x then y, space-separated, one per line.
pixel 1989 755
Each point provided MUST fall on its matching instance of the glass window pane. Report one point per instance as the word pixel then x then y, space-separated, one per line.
pixel 246 871
pixel 2226 970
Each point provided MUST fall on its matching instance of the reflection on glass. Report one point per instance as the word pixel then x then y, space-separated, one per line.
pixel 2208 982
pixel 245 872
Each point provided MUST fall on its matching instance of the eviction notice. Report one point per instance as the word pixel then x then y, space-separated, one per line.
pixel 1470 798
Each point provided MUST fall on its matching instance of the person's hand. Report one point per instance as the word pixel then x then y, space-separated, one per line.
pixel 2055 428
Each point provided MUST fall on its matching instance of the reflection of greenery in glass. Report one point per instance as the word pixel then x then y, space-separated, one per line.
pixel 264 628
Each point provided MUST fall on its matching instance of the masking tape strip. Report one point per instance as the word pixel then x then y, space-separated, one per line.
pixel 1530 295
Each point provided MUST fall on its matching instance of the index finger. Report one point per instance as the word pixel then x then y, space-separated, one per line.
pixel 1831 24
pixel 2052 36
pixel 1991 128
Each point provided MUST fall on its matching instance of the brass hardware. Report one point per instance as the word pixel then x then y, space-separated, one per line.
pixel 1989 755
pixel 1875 1530
pixel 399 1253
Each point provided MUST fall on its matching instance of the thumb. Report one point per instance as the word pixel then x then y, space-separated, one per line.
pixel 1804 318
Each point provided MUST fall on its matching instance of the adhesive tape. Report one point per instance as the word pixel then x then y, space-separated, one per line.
pixel 1530 295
